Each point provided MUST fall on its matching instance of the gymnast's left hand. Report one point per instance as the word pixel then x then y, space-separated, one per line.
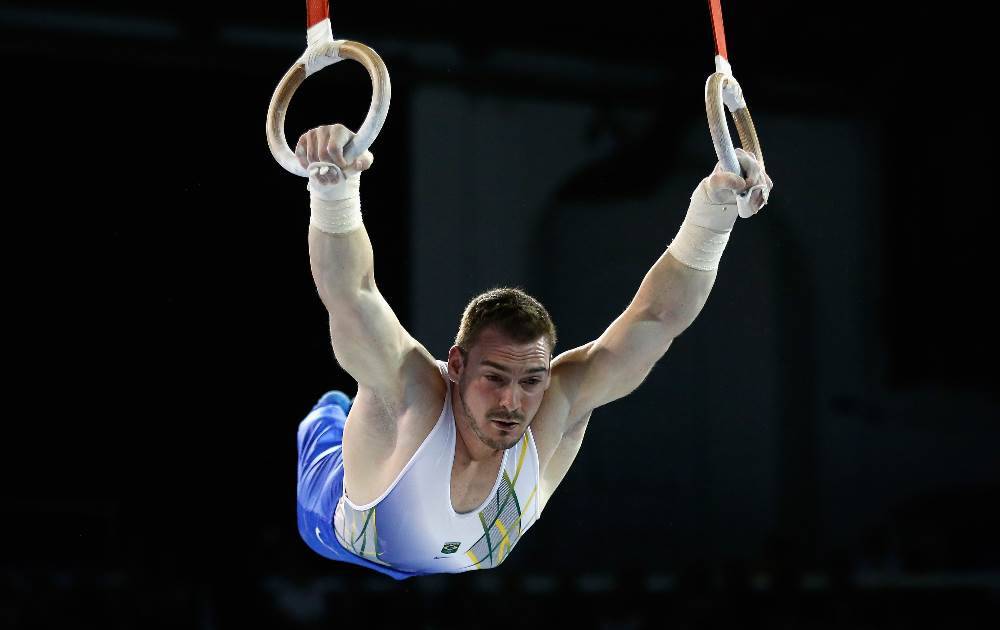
pixel 749 193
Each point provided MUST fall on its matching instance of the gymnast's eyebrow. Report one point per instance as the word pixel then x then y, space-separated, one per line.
pixel 497 366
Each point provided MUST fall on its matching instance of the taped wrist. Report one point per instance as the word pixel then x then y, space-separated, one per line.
pixel 704 233
pixel 336 209
pixel 698 247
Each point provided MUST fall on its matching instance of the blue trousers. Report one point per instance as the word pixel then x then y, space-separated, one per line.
pixel 321 480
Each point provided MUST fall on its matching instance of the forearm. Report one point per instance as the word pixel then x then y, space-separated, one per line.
pixel 677 287
pixel 616 363
pixel 342 265
pixel 673 294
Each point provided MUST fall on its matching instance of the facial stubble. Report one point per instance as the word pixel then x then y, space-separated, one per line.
pixel 471 420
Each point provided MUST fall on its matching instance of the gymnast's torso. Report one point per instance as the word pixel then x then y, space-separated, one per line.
pixel 430 519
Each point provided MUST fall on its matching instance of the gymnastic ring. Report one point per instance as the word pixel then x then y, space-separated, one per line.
pixel 715 105
pixel 333 52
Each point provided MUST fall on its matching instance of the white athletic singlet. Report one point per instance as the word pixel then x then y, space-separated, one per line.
pixel 413 527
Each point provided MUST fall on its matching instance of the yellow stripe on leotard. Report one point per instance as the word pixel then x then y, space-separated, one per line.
pixel 520 461
pixel 472 557
pixel 504 542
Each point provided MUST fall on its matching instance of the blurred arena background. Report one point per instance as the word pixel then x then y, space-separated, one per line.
pixel 820 450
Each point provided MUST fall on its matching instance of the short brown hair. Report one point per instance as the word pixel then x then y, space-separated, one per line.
pixel 512 311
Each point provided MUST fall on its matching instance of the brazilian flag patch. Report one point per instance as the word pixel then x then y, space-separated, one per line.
pixel 451 547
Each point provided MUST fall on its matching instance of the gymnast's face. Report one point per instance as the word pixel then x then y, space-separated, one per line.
pixel 500 384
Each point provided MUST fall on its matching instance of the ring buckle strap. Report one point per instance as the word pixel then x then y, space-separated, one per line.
pixel 322 50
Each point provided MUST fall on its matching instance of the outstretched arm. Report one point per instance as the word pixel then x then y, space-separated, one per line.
pixel 368 340
pixel 671 295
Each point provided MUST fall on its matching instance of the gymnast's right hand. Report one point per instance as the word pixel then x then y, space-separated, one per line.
pixel 321 152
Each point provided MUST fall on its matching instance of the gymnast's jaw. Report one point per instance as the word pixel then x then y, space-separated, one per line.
pixel 498 430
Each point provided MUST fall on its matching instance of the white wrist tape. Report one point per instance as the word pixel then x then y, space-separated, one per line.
pixel 335 209
pixel 719 216
pixel 698 247
pixel 705 231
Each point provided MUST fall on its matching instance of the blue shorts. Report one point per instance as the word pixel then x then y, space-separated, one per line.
pixel 321 480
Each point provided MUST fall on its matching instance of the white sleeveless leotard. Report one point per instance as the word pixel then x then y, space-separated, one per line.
pixel 413 526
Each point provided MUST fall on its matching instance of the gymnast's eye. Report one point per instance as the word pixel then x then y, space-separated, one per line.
pixel 533 381
pixel 493 377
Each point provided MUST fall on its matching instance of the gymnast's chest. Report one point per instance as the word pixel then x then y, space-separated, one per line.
pixel 471 484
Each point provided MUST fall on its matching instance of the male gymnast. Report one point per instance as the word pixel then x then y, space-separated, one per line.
pixel 442 466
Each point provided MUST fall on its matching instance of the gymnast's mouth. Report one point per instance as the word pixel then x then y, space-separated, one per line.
pixel 504 424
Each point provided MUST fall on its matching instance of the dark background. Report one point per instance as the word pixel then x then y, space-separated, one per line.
pixel 819 450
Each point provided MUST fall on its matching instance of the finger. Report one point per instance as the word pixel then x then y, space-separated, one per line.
pixel 339 137
pixel 363 163
pixel 322 140
pixel 336 152
pixel 306 143
pixel 313 148
pixel 726 180
pixel 330 177
pixel 745 153
pixel 754 171
pixel 746 157
pixel 750 166
pixel 324 174
pixel 300 151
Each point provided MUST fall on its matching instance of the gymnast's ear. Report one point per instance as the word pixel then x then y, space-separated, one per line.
pixel 456 363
